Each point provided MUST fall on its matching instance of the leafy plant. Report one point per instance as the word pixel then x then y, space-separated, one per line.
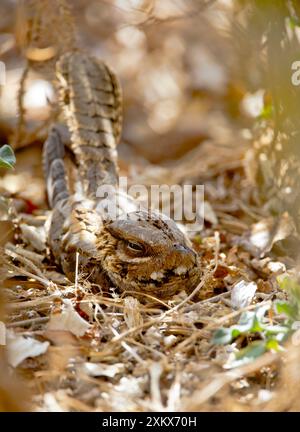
pixel 258 328
pixel 7 157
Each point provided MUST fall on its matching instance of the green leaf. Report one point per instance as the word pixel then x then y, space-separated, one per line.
pixel 248 354
pixel 252 351
pixel 267 112
pixel 289 310
pixel 222 336
pixel 252 321
pixel 276 329
pixel 246 322
pixel 288 284
pixel 261 311
pixel 7 157
pixel 249 322
pixel 257 327
pixel 273 345
pixel 292 287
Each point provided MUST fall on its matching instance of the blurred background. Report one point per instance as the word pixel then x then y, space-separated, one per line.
pixel 184 81
pixel 194 73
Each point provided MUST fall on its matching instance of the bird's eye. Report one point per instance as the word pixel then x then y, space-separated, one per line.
pixel 135 247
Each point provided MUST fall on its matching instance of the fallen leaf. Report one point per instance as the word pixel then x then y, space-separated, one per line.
pixel 266 267
pixel 35 236
pixel 261 233
pixel 242 294
pixel 68 320
pixel 269 231
pixel 19 348
pixel 101 369
pixel 276 267
pixel 132 315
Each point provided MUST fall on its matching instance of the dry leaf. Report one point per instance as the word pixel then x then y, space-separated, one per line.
pixel 132 313
pixel 242 294
pixel 19 348
pixel 101 369
pixel 68 320
pixel 261 233
pixel 35 236
pixel 267 232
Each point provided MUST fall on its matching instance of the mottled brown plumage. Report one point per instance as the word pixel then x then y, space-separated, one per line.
pixel 142 250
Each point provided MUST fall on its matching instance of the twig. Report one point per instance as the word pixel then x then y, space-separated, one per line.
pixel 26 262
pixel 201 396
pixel 32 256
pixel 158 319
pixel 155 374
pixel 76 275
pixel 148 348
pixel 45 282
pixel 115 333
pixel 149 296
pixel 24 323
pixel 31 303
pixel 214 299
pixel 21 109
pixel 127 347
pixel 216 324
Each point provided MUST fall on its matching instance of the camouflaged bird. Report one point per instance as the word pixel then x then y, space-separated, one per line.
pixel 144 252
